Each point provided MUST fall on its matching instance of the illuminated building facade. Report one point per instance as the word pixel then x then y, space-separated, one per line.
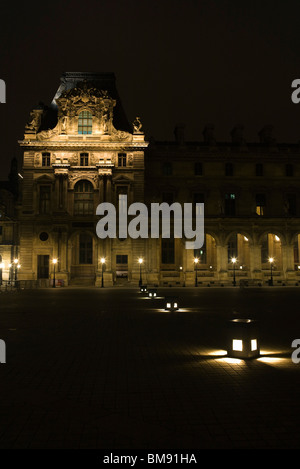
pixel 81 151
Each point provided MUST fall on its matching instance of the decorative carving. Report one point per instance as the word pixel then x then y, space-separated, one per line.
pixel 46 134
pixel 35 121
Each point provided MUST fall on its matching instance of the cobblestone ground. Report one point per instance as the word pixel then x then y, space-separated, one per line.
pixel 108 368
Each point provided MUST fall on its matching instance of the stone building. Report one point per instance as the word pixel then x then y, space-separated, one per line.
pixel 78 153
pixel 81 151
pixel 9 262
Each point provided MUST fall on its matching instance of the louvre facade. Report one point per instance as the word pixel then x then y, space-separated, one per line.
pixel 80 151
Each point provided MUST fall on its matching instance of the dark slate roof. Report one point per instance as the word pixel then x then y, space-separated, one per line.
pixel 101 81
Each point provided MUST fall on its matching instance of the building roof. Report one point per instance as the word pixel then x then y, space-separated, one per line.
pixel 101 81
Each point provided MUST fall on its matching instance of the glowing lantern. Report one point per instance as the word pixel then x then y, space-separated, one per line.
pixel 152 293
pixel 243 339
pixel 171 303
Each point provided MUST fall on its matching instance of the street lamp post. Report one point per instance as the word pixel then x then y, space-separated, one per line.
pixel 271 260
pixel 140 262
pixel 102 263
pixel 196 260
pixel 54 262
pixel 233 260
pixel 16 262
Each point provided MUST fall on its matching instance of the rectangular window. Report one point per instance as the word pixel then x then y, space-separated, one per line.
pixel 45 159
pixel 228 169
pixel 259 169
pixel 168 197
pixel 230 204
pixel 289 170
pixel 198 169
pixel 167 251
pixel 84 159
pixel 121 259
pixel 122 160
pixel 167 169
pixel 260 204
pixel 291 205
pixel 44 200
pixel 42 266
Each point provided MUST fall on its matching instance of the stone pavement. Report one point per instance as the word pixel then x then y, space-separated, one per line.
pixel 108 368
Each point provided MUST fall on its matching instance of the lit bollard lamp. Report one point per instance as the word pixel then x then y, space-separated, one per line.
pixel 243 341
pixel 171 303
pixel 143 289
pixel 152 293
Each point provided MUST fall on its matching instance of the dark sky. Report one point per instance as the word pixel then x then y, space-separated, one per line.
pixel 222 62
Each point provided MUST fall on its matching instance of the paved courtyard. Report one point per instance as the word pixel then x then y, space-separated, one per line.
pixel 110 369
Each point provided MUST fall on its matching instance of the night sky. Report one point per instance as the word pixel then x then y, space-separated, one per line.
pixel 194 62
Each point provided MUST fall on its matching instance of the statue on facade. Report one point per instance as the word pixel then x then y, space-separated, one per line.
pixel 137 125
pixel 34 123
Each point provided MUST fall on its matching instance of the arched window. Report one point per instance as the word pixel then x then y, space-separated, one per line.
pixel 83 198
pixel 85 122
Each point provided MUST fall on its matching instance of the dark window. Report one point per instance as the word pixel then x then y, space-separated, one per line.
pixel 292 204
pixel 230 204
pixel 228 169
pixel 260 201
pixel 85 122
pixel 85 249
pixel 198 198
pixel 122 259
pixel 1 230
pixel 289 170
pixel 44 236
pixel 167 169
pixel 122 159
pixel 168 197
pixel 259 169
pixel 44 200
pixel 84 159
pixel 45 159
pixel 83 198
pixel 198 169
pixel 167 251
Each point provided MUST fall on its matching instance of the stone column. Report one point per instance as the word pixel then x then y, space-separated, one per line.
pixel 287 251
pixel 255 261
pixel 222 262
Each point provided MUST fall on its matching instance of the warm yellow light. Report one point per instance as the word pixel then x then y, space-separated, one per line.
pixel 54 261
pixel 271 260
pixel 102 260
pixel 245 238
pixel 253 344
pixel 196 260
pixel 277 238
pixel 16 261
pixel 9 265
pixel 2 265
pixel 141 260
pixel 168 305
pixel 19 266
pixel 237 345
pixel 233 260
pixel 175 305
